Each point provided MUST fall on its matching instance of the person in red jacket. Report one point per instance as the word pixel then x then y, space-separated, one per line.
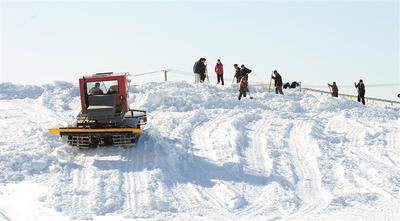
pixel 219 70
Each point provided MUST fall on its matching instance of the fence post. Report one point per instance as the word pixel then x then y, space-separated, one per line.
pixel 165 75
pixel 300 86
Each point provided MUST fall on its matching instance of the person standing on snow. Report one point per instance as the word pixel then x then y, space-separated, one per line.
pixel 243 88
pixel 237 73
pixel 335 90
pixel 278 82
pixel 219 70
pixel 361 91
pixel 199 70
pixel 244 72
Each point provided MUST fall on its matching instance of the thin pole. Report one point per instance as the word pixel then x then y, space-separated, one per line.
pixel 270 82
pixel 300 86
pixel 330 91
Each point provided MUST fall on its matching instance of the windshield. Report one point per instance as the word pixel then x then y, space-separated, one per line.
pixel 102 87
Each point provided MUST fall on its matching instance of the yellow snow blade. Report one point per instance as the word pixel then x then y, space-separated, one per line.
pixel 57 131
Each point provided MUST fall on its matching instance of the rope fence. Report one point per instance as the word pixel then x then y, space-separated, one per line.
pixel 304 89
pixel 350 96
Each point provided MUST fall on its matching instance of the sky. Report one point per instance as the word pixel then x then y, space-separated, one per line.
pixel 314 42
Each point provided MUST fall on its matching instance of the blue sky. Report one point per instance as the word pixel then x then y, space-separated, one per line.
pixel 314 42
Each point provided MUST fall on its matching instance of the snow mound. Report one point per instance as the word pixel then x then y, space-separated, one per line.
pixel 9 91
pixel 204 155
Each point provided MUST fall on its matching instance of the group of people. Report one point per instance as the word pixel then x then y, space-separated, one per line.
pixel 241 74
pixel 360 90
pixel 242 77
pixel 294 84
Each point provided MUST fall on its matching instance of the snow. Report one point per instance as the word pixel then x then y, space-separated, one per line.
pixel 204 155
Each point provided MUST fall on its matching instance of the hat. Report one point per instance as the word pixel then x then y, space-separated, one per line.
pixel 242 65
pixel 235 65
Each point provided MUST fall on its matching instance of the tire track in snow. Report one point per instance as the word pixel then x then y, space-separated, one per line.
pixel 270 137
pixel 380 169
pixel 188 196
pixel 133 200
pixel 346 160
pixel 3 216
pixel 164 154
pixel 81 198
pixel 217 150
pixel 78 179
pixel 221 139
pixel 135 180
pixel 308 187
pixel 128 186
pixel 153 171
pixel 365 177
pixel 214 141
pixel 69 194
pixel 257 158
pixel 394 141
pixel 186 192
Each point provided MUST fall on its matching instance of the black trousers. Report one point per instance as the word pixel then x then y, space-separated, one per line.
pixel 360 98
pixel 242 93
pixel 278 89
pixel 220 78
pixel 202 77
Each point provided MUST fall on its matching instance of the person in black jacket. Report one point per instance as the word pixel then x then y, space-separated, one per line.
pixel 278 82
pixel 244 72
pixel 294 84
pixel 335 90
pixel 199 70
pixel 286 85
pixel 238 74
pixel 361 91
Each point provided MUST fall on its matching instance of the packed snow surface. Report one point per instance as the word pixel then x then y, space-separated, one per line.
pixel 204 155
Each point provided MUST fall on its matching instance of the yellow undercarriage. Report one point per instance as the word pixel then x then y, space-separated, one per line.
pixel 58 131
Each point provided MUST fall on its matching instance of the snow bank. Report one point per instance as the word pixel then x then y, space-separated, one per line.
pixel 9 91
pixel 205 156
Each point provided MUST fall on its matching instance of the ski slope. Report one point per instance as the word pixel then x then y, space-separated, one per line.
pixel 204 155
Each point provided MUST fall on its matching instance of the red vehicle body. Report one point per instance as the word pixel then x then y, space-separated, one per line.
pixel 105 118
pixel 101 77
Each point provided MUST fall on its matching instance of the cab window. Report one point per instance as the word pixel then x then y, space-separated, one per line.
pixel 102 87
